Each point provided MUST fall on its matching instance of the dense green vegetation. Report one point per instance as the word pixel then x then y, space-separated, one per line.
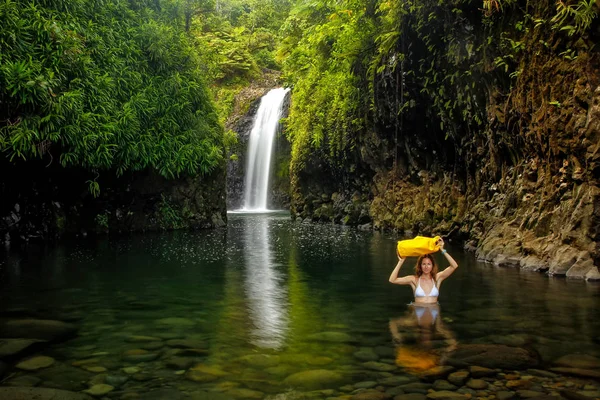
pixel 426 66
pixel 127 85
pixel 104 85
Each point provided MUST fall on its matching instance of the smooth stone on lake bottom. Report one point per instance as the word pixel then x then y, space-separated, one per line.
pixel 366 355
pixel 35 363
pixel 99 390
pixel 21 393
pixel 139 355
pixel 397 380
pixel 142 339
pixel 446 395
pixel 116 380
pixel 436 372
pixel 179 362
pixel 37 329
pixel 458 378
pixel 479 372
pixel 528 394
pixel 416 387
pixel 505 395
pixel 186 343
pixel 241 393
pixel 586 373
pixel 260 360
pixel 583 361
pixel 24 381
pixel 12 347
pixel 365 385
pixel 204 373
pixel 441 384
pixel 371 394
pixel 410 396
pixel 379 366
pixel 314 379
pixel 204 395
pixel 477 384
pixel 336 337
pixel 87 361
pixel 162 394
pixel 492 356
pixel 96 369
pixel 3 369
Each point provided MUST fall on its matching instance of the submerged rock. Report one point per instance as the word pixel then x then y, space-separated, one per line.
pixel 23 381
pixel 491 356
pixel 26 393
pixel 583 361
pixel 336 337
pixel 3 369
pixel 36 363
pixel 43 329
pixel 314 379
pixel 100 389
pixel 260 360
pixel 14 347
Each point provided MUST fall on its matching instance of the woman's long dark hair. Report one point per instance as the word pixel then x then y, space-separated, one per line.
pixel 419 268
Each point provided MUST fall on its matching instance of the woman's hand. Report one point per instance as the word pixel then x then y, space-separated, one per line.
pixel 441 244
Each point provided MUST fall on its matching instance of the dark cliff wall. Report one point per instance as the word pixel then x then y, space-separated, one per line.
pixel 519 186
pixel 40 202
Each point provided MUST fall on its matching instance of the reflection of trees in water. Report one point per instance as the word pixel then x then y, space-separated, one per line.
pixel 421 338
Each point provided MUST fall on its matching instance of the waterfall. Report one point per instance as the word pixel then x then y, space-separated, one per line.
pixel 260 148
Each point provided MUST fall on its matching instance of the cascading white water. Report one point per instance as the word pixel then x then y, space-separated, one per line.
pixel 260 148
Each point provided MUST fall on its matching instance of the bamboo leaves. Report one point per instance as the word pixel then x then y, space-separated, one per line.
pixel 108 86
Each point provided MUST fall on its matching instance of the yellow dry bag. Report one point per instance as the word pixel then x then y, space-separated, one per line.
pixel 418 246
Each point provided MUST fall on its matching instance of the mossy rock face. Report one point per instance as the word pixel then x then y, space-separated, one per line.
pixel 314 379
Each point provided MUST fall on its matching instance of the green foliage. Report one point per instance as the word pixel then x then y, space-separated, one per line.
pixel 105 85
pixel 102 221
pixel 437 64
pixel 574 18
pixel 322 51
pixel 170 217
pixel 238 38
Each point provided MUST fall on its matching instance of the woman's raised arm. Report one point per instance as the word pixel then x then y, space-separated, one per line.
pixel 405 280
pixel 453 264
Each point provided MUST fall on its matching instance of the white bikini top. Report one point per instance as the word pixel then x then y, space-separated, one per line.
pixel 419 292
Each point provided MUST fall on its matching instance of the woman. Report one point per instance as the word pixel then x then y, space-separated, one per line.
pixel 420 355
pixel 427 280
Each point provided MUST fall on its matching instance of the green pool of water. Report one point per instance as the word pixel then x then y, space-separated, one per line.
pixel 255 308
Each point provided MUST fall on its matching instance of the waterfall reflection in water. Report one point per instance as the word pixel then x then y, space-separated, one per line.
pixel 264 286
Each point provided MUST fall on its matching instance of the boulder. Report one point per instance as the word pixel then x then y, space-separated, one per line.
pixel 14 347
pixel 371 394
pixel 584 361
pixel 43 329
pixel 35 363
pixel 314 379
pixel 491 356
pixel 446 395
pixel 28 393
pixel 334 337
pixel 3 369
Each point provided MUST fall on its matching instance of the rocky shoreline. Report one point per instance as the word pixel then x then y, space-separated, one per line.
pixel 168 366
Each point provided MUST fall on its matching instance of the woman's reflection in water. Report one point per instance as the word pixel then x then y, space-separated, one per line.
pixel 421 338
